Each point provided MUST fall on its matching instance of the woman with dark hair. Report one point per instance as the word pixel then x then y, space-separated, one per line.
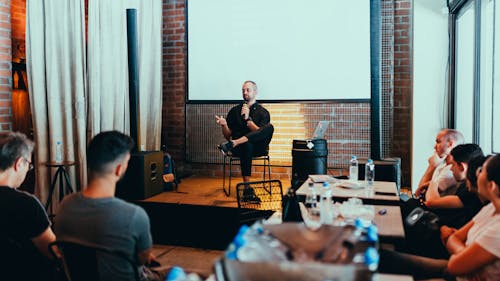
pixel 473 172
pixel 475 165
pixel 474 248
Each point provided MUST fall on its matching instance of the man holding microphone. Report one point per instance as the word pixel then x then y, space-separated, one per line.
pixel 247 129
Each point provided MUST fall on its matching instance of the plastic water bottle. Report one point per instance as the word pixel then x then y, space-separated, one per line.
pixel 278 251
pixel 236 243
pixel 59 152
pixel 353 168
pixel 176 274
pixel 369 172
pixel 311 201
pixel 249 249
pixel 326 205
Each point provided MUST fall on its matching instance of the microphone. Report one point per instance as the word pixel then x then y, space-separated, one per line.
pixel 244 105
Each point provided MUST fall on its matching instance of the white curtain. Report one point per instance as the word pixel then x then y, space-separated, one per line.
pixel 108 68
pixel 56 63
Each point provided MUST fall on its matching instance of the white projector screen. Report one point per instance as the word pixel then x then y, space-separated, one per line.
pixel 292 49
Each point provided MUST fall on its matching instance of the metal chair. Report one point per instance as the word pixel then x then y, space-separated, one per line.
pixel 82 261
pixel 270 198
pixel 230 159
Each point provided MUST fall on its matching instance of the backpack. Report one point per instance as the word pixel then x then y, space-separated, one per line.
pixel 290 207
pixel 421 224
pixel 170 181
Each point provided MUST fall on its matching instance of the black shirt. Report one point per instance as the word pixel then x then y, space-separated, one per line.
pixel 22 218
pixel 260 116
pixel 460 216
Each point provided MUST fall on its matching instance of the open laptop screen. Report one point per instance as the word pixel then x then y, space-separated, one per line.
pixel 320 130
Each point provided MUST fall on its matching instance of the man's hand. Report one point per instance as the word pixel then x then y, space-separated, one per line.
pixel 446 232
pixel 435 160
pixel 245 111
pixel 220 120
pixel 421 190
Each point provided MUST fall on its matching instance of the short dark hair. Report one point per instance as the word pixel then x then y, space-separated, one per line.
pixel 12 146
pixel 493 169
pixel 463 153
pixel 105 149
pixel 474 164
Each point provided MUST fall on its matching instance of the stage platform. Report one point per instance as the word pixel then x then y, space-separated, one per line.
pixel 198 214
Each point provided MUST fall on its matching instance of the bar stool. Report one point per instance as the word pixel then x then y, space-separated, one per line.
pixel 62 177
pixel 266 162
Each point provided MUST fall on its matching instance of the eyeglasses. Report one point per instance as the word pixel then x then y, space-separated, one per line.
pixel 30 165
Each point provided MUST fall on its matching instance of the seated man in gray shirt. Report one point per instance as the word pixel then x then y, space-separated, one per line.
pixel 96 217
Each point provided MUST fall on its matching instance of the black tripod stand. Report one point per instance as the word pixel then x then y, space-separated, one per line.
pixel 62 176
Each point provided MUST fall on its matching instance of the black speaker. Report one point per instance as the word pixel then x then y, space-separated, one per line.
pixel 388 169
pixel 143 178
pixel 309 157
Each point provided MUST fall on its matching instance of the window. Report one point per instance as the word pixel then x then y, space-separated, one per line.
pixel 477 71
pixel 464 71
pixel 495 98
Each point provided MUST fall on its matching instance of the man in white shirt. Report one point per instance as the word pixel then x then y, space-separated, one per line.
pixel 438 174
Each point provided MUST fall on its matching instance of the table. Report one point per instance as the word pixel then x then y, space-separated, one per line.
pixel 390 225
pixel 382 192
pixel 229 270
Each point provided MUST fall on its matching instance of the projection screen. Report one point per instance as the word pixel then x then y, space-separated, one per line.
pixel 293 49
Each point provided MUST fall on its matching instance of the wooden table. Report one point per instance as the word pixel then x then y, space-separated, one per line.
pixel 382 192
pixel 390 224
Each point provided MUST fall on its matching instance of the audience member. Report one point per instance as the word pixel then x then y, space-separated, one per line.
pixel 96 217
pixel 453 211
pixel 438 174
pixel 25 233
pixel 474 166
pixel 456 210
pixel 474 248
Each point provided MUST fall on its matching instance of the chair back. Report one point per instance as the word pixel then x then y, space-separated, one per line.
pixel 81 261
pixel 258 199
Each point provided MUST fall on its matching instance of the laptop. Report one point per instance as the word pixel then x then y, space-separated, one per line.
pixel 320 130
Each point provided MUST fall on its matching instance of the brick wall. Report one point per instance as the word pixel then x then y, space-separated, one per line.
pixel 174 80
pixel 5 67
pixel 175 110
pixel 403 88
pixel 18 21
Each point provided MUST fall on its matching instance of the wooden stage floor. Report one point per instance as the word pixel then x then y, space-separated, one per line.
pixel 204 191
pixel 201 194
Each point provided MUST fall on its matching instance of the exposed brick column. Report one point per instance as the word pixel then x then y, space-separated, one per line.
pixel 403 87
pixel 174 79
pixel 5 67
pixel 18 28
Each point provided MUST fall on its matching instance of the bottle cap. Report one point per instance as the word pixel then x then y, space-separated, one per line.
pixel 372 233
pixel 353 157
pixel 358 223
pixel 243 229
pixel 326 184
pixel 370 161
pixel 175 273
pixel 372 258
pixel 239 241
pixel 231 255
